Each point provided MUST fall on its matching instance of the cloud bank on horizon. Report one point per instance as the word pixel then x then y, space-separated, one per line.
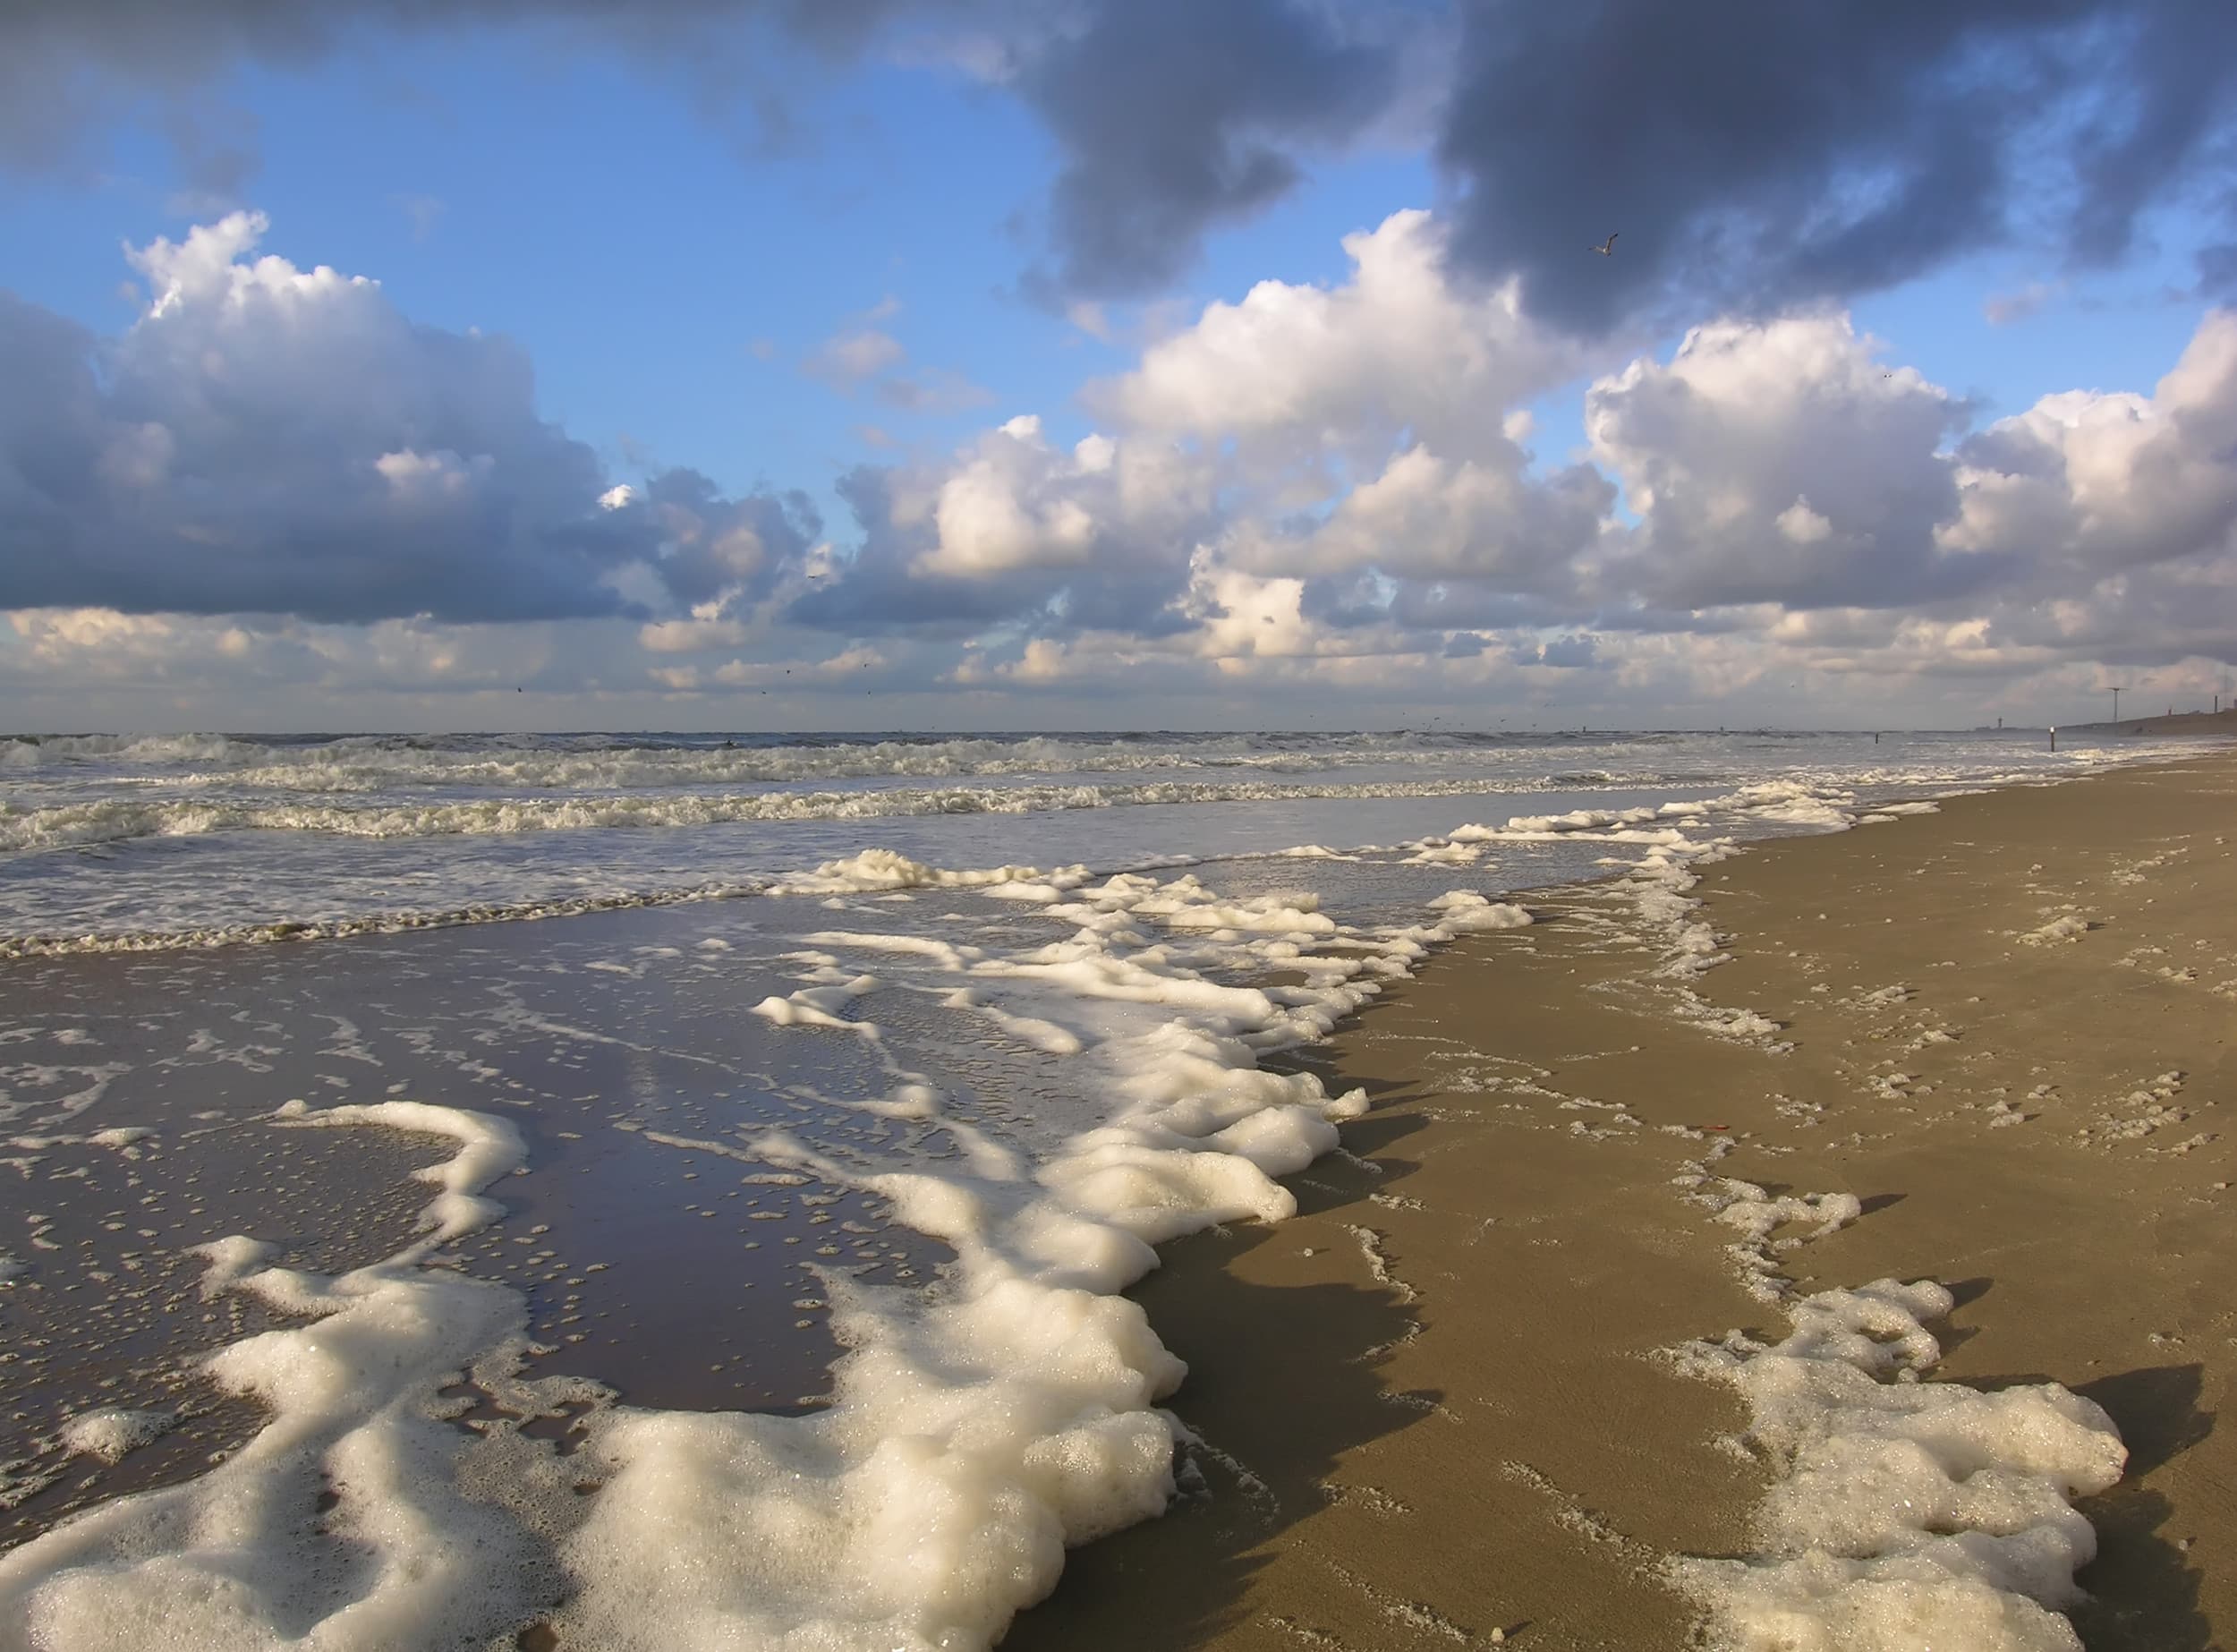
pixel 273 488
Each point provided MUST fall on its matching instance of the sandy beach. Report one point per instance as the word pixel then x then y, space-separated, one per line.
pixel 1434 1409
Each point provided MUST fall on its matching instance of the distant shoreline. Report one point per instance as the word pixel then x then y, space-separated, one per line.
pixel 2178 722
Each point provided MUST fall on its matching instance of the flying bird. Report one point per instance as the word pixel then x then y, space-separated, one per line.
pixel 1607 249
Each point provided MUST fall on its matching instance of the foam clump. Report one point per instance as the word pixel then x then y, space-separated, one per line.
pixel 230 1260
pixel 1575 820
pixel 1443 852
pixel 888 869
pixel 1186 903
pixel 821 1005
pixel 488 1147
pixel 969 1448
pixel 2059 931
pixel 111 1432
pixel 1464 911
pixel 1905 1513
pixel 1760 1216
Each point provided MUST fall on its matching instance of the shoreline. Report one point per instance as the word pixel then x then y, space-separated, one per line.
pixel 1430 1404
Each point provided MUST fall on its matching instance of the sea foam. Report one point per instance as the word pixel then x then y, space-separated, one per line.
pixel 974 1430
pixel 1903 1512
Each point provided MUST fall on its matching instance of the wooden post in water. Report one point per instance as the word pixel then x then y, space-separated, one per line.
pixel 2053 737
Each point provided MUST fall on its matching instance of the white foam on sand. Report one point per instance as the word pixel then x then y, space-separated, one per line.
pixel 488 1147
pixel 1757 1215
pixel 1468 912
pixel 977 1432
pixel 242 1557
pixel 1903 1513
pixel 821 1004
pixel 1662 914
pixel 976 1429
pixel 887 868
pixel 111 1432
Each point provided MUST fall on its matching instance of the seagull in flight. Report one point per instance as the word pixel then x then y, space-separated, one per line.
pixel 1607 249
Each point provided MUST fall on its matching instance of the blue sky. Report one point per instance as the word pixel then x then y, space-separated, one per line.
pixel 673 272
pixel 641 248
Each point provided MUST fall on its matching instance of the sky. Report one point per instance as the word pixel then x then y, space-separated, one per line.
pixel 998 364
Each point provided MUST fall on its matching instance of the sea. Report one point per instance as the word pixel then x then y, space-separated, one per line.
pixel 619 1190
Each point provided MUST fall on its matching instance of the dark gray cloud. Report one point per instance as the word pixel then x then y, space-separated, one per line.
pixel 1756 153
pixel 1748 153
pixel 711 544
pixel 161 41
pixel 1175 114
pixel 1429 604
pixel 61 60
pixel 2217 272
pixel 1577 650
pixel 287 442
pixel 1346 601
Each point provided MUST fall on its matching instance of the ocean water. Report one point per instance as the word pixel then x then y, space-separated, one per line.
pixel 113 840
pixel 733 1255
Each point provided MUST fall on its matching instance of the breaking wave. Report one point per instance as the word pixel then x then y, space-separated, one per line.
pixel 118 819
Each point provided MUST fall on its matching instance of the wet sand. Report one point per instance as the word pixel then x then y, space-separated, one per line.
pixel 1431 1406
pixel 674 1277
